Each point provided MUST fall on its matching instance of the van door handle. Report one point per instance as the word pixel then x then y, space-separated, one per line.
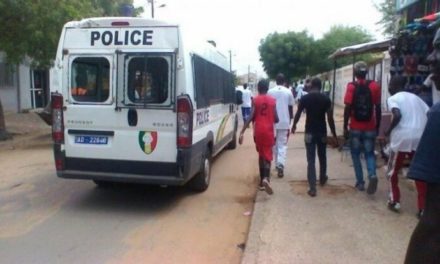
pixel 132 117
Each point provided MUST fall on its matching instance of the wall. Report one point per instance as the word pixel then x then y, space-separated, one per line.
pixel 344 75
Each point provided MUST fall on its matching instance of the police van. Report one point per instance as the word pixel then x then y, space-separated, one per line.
pixel 132 101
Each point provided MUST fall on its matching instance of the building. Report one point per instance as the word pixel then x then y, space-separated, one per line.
pixel 22 87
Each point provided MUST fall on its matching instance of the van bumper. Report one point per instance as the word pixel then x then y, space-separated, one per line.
pixel 187 164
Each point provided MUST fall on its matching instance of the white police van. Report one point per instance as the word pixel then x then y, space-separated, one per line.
pixel 132 103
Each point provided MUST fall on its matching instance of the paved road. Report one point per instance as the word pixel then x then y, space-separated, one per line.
pixel 44 219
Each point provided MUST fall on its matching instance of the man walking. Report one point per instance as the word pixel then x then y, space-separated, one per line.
pixel 327 87
pixel 264 116
pixel 424 246
pixel 284 104
pixel 247 103
pixel 363 110
pixel 409 120
pixel 317 105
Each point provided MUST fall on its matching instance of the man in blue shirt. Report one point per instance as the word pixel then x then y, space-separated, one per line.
pixel 424 246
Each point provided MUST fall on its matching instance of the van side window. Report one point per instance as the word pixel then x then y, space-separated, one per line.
pixel 90 79
pixel 148 80
pixel 213 84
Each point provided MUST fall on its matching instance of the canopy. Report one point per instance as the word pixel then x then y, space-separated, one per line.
pixel 373 46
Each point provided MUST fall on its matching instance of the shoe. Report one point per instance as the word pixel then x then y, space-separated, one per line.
pixel 323 180
pixel 372 185
pixel 360 187
pixel 267 186
pixel 261 187
pixel 312 193
pixel 420 214
pixel 395 207
pixel 280 170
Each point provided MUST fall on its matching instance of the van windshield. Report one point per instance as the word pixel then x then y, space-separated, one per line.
pixel 90 79
pixel 148 79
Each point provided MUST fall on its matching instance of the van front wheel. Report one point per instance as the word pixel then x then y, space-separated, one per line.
pixel 200 182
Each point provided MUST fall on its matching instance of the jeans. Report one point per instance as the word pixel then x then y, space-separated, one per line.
pixel 363 141
pixel 313 142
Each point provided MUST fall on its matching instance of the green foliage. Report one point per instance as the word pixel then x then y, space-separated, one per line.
pixel 32 28
pixel 389 18
pixel 337 37
pixel 288 53
pixel 297 54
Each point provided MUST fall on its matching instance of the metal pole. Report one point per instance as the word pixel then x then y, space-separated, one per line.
pixel 152 9
pixel 230 61
pixel 249 72
pixel 334 83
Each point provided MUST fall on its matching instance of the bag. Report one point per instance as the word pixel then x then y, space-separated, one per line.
pixel 362 102
pixel 238 97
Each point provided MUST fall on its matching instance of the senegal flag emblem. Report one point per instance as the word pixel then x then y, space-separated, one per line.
pixel 147 141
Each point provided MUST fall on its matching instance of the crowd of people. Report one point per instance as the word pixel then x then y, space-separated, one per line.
pixel 413 136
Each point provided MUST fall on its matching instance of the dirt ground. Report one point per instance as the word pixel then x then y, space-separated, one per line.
pixel 45 219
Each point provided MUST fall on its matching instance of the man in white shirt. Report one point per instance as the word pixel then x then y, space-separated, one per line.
pixel 406 129
pixel 284 102
pixel 247 103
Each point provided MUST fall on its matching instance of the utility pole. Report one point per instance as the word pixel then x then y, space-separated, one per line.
pixel 249 73
pixel 230 61
pixel 152 7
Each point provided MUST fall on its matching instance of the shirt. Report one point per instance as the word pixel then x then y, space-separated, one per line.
pixel 247 98
pixel 264 118
pixel 425 165
pixel 348 99
pixel 284 99
pixel 406 135
pixel 435 93
pixel 316 105
pixel 327 86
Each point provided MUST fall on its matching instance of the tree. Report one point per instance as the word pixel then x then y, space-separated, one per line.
pixel 389 18
pixel 337 37
pixel 297 54
pixel 286 53
pixel 31 29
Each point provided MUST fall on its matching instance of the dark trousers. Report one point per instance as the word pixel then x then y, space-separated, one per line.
pixel 424 246
pixel 313 142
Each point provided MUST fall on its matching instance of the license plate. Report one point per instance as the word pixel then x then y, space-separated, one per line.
pixel 95 140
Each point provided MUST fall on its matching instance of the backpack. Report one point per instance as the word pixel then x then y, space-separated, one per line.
pixel 362 102
pixel 238 97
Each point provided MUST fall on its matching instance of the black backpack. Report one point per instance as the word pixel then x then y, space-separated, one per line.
pixel 362 102
pixel 238 97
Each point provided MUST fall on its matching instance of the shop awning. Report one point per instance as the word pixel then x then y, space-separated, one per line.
pixel 370 47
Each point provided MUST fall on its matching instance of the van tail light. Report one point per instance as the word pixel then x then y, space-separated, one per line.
pixel 57 118
pixel 184 121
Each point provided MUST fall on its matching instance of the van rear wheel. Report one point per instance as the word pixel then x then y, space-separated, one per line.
pixel 201 180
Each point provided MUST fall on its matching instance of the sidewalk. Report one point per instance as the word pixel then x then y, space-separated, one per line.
pixel 28 131
pixel 340 225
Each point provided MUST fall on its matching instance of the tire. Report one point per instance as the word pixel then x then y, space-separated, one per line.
pixel 201 180
pixel 102 184
pixel 233 143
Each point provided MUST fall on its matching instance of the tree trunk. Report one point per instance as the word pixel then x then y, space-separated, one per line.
pixel 4 135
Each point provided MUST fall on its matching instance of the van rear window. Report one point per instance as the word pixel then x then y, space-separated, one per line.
pixel 148 80
pixel 90 79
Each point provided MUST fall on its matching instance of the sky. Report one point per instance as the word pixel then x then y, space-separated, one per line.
pixel 239 25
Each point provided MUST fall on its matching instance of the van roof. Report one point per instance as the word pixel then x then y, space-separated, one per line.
pixel 97 22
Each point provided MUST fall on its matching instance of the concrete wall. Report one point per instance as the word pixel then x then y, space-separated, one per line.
pixel 379 72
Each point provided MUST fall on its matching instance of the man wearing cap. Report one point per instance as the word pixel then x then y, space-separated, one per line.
pixel 362 115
